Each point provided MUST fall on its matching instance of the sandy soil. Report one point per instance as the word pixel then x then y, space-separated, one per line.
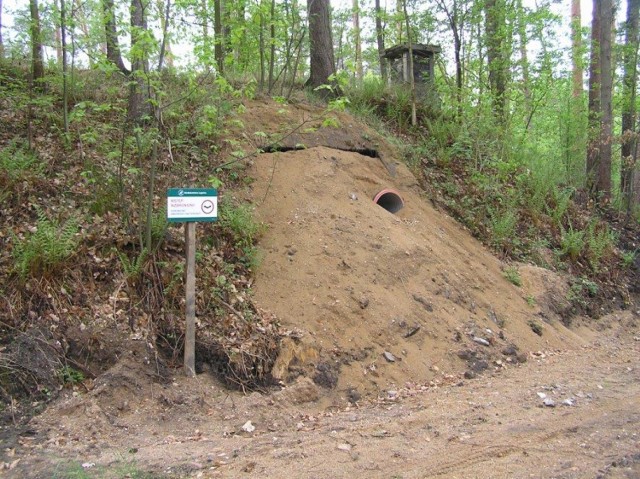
pixel 494 427
pixel 410 354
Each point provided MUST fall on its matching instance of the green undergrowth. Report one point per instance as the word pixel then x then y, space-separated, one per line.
pixel 513 189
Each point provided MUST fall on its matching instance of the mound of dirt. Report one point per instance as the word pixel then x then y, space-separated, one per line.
pixel 379 299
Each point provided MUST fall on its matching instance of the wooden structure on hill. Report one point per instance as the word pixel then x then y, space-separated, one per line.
pixel 424 59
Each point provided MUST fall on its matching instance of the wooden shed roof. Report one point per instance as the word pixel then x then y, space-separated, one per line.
pixel 419 49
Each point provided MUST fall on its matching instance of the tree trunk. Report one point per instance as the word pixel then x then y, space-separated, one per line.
pixel 357 39
pixel 600 102
pixel 496 54
pixel 576 47
pixel 1 42
pixel 412 77
pixel 320 44
pixel 399 19
pixel 629 131
pixel 261 46
pixel 380 40
pixel 58 34
pixel 63 47
pixel 524 59
pixel 272 43
pixel 606 92
pixel 78 13
pixel 113 46
pixel 219 42
pixel 37 62
pixel 138 95
pixel 453 17
pixel 165 49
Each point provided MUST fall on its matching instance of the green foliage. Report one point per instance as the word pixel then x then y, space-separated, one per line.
pixel 580 290
pixel 572 243
pixel 600 241
pixel 133 268
pixel 69 375
pixel 512 274
pixel 45 250
pixel 503 227
pixel 17 162
pixel 238 222
pixel 559 205
pixel 628 258
pixel 121 469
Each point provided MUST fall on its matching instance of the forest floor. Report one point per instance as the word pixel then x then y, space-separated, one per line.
pixel 408 353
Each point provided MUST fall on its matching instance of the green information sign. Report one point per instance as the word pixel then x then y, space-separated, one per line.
pixel 192 204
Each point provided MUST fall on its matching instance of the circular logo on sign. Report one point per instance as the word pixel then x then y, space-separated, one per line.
pixel 207 207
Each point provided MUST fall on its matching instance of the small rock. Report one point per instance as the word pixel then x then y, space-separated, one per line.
pixel 389 357
pixel 568 402
pixel 88 465
pixel 510 350
pixel 364 302
pixel 482 341
pixel 549 402
pixel 542 395
pixel 466 354
pixel 353 196
pixel 344 447
pixel 248 427
pixel 469 374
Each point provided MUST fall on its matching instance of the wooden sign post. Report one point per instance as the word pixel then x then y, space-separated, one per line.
pixel 190 205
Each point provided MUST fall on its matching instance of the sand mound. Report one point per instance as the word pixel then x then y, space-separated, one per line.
pixel 358 281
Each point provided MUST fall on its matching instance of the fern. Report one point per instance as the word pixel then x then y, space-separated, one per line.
pixel 45 250
pixel 133 268
pixel 16 162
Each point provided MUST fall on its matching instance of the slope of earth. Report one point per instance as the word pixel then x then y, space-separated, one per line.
pixel 495 428
pixel 381 299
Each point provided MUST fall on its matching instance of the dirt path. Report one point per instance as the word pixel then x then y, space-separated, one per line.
pixel 494 426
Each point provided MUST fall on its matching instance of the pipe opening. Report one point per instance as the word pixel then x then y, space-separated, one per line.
pixel 390 200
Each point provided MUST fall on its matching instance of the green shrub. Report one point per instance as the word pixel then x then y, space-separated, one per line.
pixel 46 249
pixel 237 220
pixel 17 162
pixel 572 243
pixel 503 227
pixel 512 274
pixel 69 375
pixel 600 240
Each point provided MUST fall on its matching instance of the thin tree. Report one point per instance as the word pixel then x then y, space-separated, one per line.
pixel 454 19
pixel 219 40
pixel 576 48
pixel 272 43
pixel 1 42
pixel 495 30
pixel 357 39
pixel 111 34
pixel 165 48
pixel 524 59
pixel 629 132
pixel 63 44
pixel 37 61
pixel 322 62
pixel 380 41
pixel 138 94
pixel 412 79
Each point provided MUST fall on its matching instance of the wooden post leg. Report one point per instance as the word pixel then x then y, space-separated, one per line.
pixel 190 290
